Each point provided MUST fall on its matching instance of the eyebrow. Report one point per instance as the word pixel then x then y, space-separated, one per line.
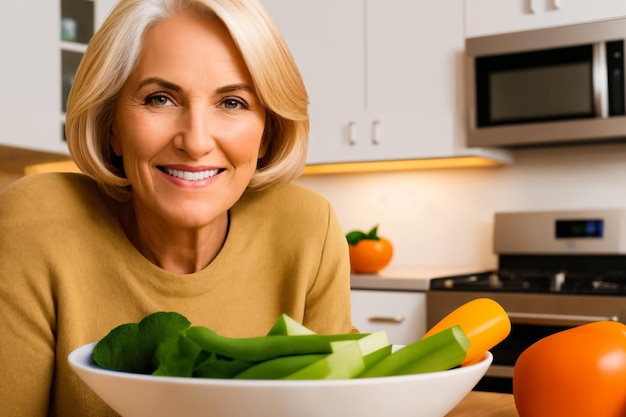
pixel 235 87
pixel 174 87
pixel 159 81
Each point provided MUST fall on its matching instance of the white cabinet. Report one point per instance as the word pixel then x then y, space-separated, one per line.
pixel 383 76
pixel 402 314
pixel 331 62
pixel 42 43
pixel 488 17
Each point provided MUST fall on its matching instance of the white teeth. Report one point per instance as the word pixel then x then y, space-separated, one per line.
pixel 191 176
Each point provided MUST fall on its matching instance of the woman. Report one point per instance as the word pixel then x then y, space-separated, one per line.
pixel 189 118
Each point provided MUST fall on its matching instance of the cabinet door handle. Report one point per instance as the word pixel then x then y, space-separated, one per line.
pixel 352 133
pixel 532 7
pixel 557 4
pixel 386 319
pixel 375 132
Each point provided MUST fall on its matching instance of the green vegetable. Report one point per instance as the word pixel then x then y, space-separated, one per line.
pixel 284 365
pixel 376 356
pixel 166 344
pixel 439 352
pixel 131 347
pixel 349 358
pixel 176 356
pixel 180 356
pixel 345 362
pixel 216 366
pixel 372 348
pixel 280 367
pixel 262 348
pixel 286 326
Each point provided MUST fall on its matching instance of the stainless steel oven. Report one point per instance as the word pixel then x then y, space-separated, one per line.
pixel 556 270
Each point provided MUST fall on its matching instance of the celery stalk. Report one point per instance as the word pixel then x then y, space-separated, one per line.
pixel 280 367
pixel 439 352
pixel 344 362
pixel 348 358
pixel 286 326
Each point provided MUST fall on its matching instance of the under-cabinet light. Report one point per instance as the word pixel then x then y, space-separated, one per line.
pixel 401 165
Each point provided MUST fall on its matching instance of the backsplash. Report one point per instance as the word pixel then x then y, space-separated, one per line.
pixel 445 217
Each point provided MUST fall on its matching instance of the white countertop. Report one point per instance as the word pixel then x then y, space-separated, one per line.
pixel 408 278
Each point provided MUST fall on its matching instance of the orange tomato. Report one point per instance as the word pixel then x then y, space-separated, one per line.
pixel 576 372
pixel 484 321
pixel 369 253
pixel 369 256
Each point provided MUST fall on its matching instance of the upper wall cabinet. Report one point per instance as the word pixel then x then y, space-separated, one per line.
pixel 489 17
pixel 42 44
pixel 383 76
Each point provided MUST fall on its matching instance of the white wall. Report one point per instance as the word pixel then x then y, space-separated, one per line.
pixel 445 217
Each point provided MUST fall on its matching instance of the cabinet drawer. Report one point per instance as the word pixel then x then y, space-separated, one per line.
pixel 402 314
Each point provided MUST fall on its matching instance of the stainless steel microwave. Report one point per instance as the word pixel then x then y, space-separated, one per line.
pixel 547 86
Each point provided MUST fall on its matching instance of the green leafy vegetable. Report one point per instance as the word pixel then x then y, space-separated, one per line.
pixel 177 356
pixel 131 347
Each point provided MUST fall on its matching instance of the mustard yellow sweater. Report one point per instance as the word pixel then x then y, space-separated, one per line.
pixel 68 275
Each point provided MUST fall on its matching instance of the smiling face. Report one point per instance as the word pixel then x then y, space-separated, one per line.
pixel 188 124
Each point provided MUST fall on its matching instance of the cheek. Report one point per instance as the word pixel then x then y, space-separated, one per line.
pixel 137 138
pixel 245 143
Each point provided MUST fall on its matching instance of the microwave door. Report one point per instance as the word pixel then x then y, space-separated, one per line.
pixel 539 86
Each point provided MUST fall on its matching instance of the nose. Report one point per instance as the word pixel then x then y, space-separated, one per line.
pixel 195 136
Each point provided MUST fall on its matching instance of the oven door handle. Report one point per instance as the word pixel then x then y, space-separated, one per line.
pixel 569 320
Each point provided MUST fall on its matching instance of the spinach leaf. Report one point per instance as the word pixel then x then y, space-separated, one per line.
pixel 176 356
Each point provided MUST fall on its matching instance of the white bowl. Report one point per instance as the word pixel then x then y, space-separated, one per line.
pixel 135 395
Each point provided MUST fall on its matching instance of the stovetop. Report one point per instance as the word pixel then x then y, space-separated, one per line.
pixel 610 282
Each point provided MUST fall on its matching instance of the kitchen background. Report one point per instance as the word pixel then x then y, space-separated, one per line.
pixel 445 217
pixel 367 62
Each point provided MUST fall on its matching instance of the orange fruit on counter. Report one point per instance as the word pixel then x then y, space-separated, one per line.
pixel 369 253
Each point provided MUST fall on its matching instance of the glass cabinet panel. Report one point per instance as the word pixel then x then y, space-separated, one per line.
pixel 76 29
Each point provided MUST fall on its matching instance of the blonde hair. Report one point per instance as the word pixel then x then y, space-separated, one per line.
pixel 113 52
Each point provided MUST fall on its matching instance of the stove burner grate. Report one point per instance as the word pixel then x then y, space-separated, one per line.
pixel 537 281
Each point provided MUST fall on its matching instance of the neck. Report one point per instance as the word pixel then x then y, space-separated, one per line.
pixel 176 250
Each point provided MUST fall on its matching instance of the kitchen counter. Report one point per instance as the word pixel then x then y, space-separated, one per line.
pixel 485 404
pixel 409 278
